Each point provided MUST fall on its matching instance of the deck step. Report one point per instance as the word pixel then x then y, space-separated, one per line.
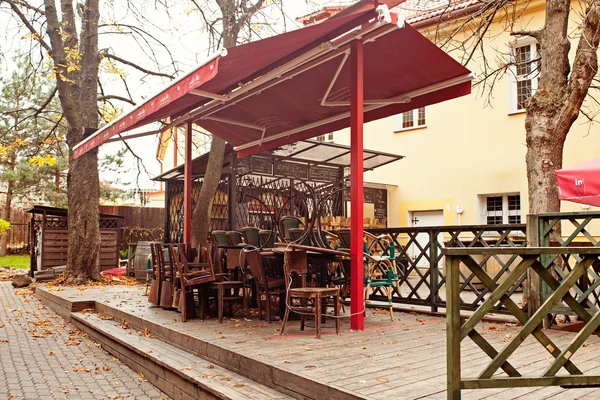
pixel 178 373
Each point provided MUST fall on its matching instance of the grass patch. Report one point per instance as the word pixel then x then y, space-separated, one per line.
pixel 15 261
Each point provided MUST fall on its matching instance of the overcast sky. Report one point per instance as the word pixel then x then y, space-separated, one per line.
pixel 182 32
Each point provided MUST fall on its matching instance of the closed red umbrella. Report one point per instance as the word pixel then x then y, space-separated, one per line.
pixel 580 183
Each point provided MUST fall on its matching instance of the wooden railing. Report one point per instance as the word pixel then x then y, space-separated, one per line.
pixel 419 255
pixel 578 261
pixel 567 229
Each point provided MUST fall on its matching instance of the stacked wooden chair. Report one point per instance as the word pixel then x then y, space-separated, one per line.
pixel 189 280
pixel 303 299
pixel 264 285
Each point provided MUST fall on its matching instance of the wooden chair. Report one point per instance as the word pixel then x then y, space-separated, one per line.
pixel 154 295
pixel 295 235
pixel 267 239
pixel 309 299
pixel 286 223
pixel 263 284
pixel 189 280
pixel 228 290
pixel 167 276
pixel 344 237
pixel 220 238
pixel 251 236
pixel 235 238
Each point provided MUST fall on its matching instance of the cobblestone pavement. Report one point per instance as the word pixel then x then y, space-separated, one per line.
pixel 44 357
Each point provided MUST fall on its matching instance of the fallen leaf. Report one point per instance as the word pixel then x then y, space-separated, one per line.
pixel 209 376
pixel 383 380
pixel 310 366
pixel 211 366
pixel 238 385
pixel 185 368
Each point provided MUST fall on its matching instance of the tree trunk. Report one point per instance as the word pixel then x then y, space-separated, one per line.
pixel 8 205
pixel 214 168
pixel 544 156
pixel 84 231
pixel 201 215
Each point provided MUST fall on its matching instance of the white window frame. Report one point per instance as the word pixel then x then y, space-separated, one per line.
pixel 505 212
pixel 399 120
pixel 533 75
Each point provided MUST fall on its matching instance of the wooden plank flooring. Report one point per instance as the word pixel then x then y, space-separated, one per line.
pixel 401 359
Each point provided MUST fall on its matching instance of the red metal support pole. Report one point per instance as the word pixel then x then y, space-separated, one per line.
pixel 357 273
pixel 187 186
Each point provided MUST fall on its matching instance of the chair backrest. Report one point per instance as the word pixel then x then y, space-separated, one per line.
pixel 251 236
pixel 296 235
pixel 166 267
pixel 286 223
pixel 267 239
pixel 295 262
pixel 155 249
pixel 254 259
pixel 344 235
pixel 220 238
pixel 179 257
pixel 235 237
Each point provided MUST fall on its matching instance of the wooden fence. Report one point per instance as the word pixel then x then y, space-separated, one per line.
pixel 18 235
pixel 564 288
pixel 139 224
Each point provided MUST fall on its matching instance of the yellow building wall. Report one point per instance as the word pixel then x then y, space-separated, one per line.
pixel 471 146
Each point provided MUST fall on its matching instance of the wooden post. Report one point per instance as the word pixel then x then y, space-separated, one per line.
pixel 187 186
pixel 534 284
pixel 453 327
pixel 434 269
pixel 357 303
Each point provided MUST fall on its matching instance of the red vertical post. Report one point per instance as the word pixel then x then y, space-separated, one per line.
pixel 357 320
pixel 187 186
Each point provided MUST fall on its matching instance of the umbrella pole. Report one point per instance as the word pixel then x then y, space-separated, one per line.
pixel 356 187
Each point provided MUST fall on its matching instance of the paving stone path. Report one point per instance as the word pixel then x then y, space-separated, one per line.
pixel 44 357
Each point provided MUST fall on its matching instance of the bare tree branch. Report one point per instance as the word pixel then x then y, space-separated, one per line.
pixel 106 54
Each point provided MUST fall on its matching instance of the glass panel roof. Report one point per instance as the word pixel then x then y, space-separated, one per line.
pixel 306 151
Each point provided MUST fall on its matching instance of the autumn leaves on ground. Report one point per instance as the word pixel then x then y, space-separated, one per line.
pixel 43 356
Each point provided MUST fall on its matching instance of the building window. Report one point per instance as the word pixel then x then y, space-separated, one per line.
pixel 501 209
pixel 410 119
pixel 327 138
pixel 526 70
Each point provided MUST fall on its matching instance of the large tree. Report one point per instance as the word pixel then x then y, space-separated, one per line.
pixel 564 81
pixel 67 34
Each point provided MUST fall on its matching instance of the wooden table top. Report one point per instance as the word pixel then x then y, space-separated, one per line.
pixel 280 248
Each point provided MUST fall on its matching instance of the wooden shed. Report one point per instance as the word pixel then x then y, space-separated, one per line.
pixel 48 238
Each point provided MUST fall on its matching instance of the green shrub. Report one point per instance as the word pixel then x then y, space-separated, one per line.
pixel 4 226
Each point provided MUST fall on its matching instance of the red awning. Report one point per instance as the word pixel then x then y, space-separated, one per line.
pixel 580 183
pixel 226 72
pixel 295 86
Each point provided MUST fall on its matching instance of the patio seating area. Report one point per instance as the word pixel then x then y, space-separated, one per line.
pixel 404 358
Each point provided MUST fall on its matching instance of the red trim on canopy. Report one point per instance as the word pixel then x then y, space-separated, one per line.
pixel 150 111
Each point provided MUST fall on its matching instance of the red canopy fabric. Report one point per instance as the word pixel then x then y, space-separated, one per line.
pixel 242 64
pixel 580 183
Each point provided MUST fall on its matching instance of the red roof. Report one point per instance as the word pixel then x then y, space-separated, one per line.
pixel 271 92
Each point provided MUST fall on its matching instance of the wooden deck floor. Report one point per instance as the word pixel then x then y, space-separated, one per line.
pixel 401 359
